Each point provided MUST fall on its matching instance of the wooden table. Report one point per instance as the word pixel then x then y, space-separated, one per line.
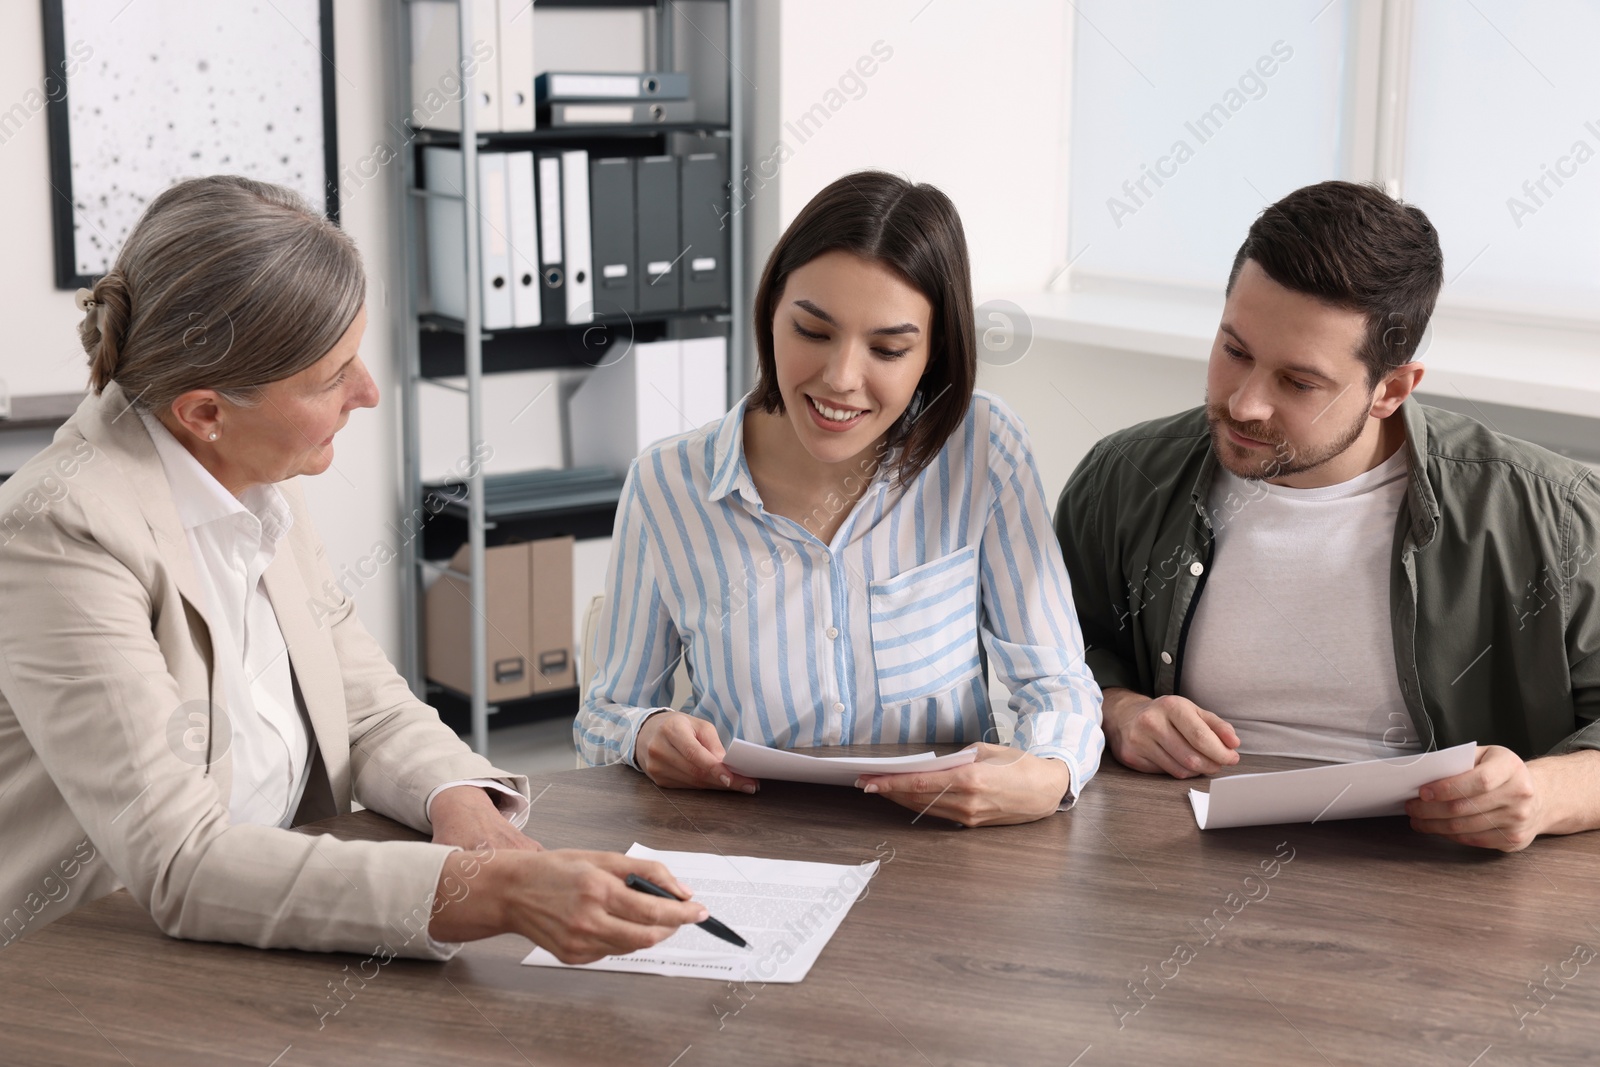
pixel 1106 935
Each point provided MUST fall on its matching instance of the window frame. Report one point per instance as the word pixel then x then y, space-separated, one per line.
pixel 1376 98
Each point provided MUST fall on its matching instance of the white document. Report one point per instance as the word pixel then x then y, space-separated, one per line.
pixel 1316 794
pixel 784 765
pixel 786 909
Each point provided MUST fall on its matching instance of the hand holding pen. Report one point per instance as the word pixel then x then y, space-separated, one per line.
pixel 709 925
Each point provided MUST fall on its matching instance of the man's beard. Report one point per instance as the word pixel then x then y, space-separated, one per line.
pixel 1285 458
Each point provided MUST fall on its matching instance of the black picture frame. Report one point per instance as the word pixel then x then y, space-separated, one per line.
pixel 58 67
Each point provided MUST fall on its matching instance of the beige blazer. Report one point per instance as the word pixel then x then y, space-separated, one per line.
pixel 114 767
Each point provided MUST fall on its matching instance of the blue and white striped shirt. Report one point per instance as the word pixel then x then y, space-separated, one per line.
pixel 793 643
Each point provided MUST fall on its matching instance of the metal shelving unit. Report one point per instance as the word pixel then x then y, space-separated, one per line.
pixel 432 346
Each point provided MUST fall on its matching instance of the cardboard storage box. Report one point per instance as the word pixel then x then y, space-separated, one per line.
pixel 529 611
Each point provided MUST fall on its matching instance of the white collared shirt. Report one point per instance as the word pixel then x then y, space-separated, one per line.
pixel 233 541
pixel 872 638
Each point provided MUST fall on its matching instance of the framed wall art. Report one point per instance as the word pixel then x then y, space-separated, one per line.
pixel 145 93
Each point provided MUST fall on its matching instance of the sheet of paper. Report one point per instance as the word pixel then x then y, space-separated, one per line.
pixel 1318 794
pixel 786 765
pixel 786 909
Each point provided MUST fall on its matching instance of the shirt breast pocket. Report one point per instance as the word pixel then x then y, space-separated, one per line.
pixel 925 627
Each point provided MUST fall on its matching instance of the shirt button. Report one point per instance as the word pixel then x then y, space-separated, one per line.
pixel 1197 568
pixel 833 632
pixel 1166 657
pixel 838 707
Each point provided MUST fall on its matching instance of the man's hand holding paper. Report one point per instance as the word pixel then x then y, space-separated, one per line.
pixel 1504 803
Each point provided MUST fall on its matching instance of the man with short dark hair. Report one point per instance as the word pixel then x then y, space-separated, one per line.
pixel 1314 564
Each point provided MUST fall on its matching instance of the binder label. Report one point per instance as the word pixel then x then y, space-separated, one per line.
pixel 550 209
pixel 578 114
pixel 579 85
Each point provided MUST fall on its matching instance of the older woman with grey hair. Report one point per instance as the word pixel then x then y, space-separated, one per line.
pixel 181 680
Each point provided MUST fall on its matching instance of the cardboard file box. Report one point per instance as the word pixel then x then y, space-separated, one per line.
pixel 529 646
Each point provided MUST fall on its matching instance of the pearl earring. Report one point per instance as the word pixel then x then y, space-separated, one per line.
pixel 213 436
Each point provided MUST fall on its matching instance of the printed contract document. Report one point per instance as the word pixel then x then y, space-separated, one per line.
pixel 1337 791
pixel 786 765
pixel 786 909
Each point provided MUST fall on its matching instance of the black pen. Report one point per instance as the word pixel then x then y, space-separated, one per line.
pixel 710 926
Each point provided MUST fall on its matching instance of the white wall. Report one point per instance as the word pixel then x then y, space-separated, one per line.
pixel 972 98
pixel 41 353
pixel 1070 396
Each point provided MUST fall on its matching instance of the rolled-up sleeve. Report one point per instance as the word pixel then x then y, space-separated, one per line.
pixel 637 646
pixel 1029 624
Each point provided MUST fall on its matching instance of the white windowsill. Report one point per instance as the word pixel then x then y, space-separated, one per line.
pixel 1545 367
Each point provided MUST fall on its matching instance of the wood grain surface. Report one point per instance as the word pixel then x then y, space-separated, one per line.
pixel 1116 933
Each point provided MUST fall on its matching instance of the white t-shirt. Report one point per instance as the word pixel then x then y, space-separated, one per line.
pixel 1291 642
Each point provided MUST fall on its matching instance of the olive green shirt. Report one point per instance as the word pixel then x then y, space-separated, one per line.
pixel 1494 586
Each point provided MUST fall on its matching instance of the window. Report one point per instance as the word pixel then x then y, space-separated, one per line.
pixel 1183 129
pixel 1485 113
pixel 1502 150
